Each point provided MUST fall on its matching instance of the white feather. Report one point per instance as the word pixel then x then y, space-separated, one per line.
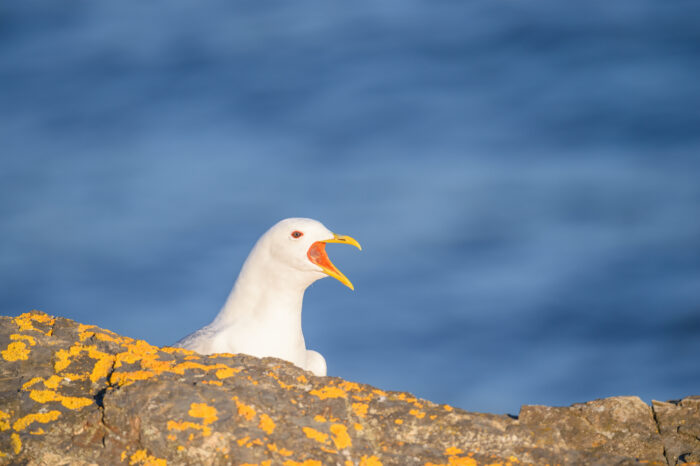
pixel 262 315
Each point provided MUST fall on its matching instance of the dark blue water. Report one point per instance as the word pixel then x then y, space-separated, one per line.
pixel 524 178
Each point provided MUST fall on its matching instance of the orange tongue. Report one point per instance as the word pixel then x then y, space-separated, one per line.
pixel 317 255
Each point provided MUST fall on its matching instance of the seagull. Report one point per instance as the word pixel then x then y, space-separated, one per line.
pixel 262 315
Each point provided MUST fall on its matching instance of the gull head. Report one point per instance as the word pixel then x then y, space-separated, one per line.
pixel 298 246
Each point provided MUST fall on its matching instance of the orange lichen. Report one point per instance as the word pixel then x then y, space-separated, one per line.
pixel 329 391
pixel 315 435
pixel 24 321
pixel 398 421
pixel 248 412
pixel 453 451
pixel 282 451
pixel 266 423
pixel 39 431
pixel 143 458
pixel 22 423
pixel 340 436
pixel 416 413
pixel 358 427
pixel 4 421
pixel 349 386
pixel 370 461
pixel 101 368
pixel 171 350
pixel 184 425
pixel 227 372
pixel 213 382
pixel 16 442
pixel 27 338
pixel 183 366
pixel 256 441
pixel 70 402
pixel 319 418
pixel 448 408
pixel 360 409
pixel 16 351
pixel 204 411
pixel 304 463
pixel 31 382
pixel 302 379
pixel 127 378
pixel 52 382
pixel 456 461
pixel 281 384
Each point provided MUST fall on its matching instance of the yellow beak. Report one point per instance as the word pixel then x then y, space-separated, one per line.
pixel 345 240
pixel 317 255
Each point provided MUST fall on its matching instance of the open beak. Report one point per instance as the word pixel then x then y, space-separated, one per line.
pixel 317 255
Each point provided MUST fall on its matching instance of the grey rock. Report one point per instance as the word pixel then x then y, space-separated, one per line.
pixel 77 394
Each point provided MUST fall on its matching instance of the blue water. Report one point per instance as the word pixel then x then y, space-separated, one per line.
pixel 524 179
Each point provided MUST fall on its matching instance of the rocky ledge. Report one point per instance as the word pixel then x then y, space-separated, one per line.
pixel 76 394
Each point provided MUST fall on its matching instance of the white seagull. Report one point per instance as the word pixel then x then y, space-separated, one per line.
pixel 262 315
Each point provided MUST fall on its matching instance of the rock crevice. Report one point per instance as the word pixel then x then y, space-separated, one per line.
pixel 76 394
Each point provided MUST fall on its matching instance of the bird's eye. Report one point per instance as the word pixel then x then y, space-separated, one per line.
pixel 297 234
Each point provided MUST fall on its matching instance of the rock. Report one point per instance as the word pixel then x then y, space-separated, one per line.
pixel 679 425
pixel 77 394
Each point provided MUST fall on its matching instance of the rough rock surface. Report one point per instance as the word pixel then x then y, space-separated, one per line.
pixel 77 394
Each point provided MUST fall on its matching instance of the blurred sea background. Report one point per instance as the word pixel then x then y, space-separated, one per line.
pixel 524 178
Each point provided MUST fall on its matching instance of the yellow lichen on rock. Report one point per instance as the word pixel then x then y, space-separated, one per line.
pixel 244 410
pixel 22 423
pixel 123 379
pixel 304 463
pixel 340 436
pixel 16 351
pixel 70 402
pixel 101 368
pixel 370 461
pixel 4 421
pixel 27 338
pixel 329 391
pixel 16 443
pixel 218 383
pixel 315 434
pixel 349 386
pixel 24 321
pixel 204 411
pixel 266 424
pixel 360 409
pixel 282 451
pixel 141 457
pixel 171 350
pixel 227 372
pixel 184 425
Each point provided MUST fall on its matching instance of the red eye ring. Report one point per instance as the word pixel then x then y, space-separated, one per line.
pixel 297 234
